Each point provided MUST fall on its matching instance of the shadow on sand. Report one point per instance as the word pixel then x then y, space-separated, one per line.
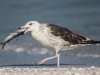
pixel 44 65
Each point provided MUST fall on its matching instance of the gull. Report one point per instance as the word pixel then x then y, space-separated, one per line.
pixel 55 37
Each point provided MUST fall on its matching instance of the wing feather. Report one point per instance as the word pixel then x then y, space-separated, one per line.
pixel 66 34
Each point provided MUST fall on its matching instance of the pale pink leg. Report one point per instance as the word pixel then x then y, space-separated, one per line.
pixel 58 59
pixel 46 59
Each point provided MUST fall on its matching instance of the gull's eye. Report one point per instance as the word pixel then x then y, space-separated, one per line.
pixel 30 24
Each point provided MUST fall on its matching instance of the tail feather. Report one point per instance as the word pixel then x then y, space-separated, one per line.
pixel 91 42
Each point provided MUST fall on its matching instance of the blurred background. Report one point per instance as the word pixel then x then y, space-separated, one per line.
pixel 80 16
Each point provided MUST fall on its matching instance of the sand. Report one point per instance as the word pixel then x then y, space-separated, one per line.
pixel 50 70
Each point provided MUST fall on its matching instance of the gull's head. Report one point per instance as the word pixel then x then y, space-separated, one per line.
pixel 30 26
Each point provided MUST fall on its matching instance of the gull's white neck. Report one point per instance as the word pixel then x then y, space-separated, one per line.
pixel 36 32
pixel 40 34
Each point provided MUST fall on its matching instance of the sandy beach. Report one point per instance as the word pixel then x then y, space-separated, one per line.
pixel 12 63
pixel 50 70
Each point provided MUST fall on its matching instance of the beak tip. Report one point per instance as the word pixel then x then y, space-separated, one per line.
pixel 22 27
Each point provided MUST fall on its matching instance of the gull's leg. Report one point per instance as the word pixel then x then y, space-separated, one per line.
pixel 58 59
pixel 46 59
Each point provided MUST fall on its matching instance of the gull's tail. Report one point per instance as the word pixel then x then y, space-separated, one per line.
pixel 90 42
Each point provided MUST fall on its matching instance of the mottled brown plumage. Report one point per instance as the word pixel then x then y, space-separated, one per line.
pixel 69 36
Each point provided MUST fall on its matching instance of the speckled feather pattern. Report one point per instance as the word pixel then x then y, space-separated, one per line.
pixel 59 38
pixel 44 36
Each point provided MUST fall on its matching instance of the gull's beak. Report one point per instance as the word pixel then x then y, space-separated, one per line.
pixel 23 27
pixel 27 28
pixel 25 31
